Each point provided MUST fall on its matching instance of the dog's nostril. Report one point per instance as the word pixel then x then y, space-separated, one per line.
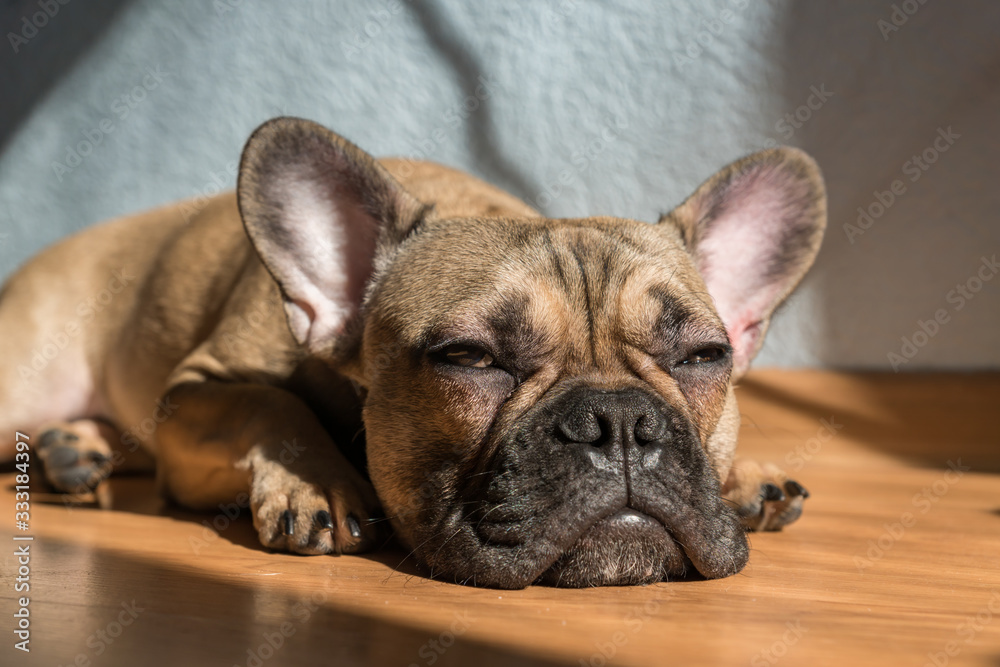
pixel 582 426
pixel 604 429
pixel 649 428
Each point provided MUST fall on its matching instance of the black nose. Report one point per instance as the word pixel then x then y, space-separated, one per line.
pixel 611 420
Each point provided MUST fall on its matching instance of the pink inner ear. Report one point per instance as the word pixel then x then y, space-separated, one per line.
pixel 326 250
pixel 739 253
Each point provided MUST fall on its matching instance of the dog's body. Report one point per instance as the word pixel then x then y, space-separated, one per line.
pixel 537 399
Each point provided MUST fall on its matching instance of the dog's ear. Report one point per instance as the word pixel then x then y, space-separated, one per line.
pixel 323 216
pixel 753 231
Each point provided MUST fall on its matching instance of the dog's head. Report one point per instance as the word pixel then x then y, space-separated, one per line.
pixel 544 399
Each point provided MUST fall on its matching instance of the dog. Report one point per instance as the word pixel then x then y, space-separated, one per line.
pixel 367 348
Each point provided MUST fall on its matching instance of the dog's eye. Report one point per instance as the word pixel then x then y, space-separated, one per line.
pixel 706 355
pixel 467 355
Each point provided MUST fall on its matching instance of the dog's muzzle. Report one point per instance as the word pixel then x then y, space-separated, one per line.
pixel 594 487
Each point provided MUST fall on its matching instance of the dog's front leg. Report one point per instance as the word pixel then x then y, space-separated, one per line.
pixel 224 439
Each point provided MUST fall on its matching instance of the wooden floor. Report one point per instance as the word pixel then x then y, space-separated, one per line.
pixel 896 561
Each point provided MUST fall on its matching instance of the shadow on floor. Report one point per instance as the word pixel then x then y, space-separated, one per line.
pixel 964 402
pixel 194 619
pixel 136 494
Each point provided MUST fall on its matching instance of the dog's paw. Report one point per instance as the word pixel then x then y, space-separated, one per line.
pixel 763 496
pixel 312 511
pixel 75 458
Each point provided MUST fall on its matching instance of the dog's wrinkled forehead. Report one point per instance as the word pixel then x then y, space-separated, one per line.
pixel 582 288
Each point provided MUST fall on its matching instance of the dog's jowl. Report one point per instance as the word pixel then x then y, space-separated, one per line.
pixel 524 399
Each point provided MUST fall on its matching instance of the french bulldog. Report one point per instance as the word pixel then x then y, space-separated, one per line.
pixel 360 344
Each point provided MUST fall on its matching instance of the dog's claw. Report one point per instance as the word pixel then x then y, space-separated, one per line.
pixel 772 492
pixel 795 489
pixel 324 520
pixel 763 496
pixel 353 526
pixel 324 502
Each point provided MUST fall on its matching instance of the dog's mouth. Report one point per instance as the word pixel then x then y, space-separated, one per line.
pixel 626 548
pixel 617 546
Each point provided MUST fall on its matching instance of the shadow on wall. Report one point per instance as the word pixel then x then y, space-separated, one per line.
pixel 905 131
pixel 480 131
pixel 43 41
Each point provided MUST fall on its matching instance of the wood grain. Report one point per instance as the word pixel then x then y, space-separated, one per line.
pixel 895 559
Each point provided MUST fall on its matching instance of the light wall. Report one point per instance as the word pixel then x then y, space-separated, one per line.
pixel 629 104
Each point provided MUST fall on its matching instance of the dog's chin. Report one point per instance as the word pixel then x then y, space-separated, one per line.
pixel 617 547
pixel 627 548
